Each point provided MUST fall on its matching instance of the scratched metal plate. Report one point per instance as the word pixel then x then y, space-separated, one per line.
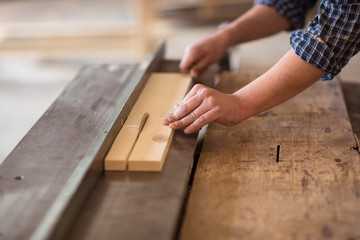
pixel 40 176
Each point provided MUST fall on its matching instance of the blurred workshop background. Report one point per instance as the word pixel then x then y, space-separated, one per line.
pixel 43 44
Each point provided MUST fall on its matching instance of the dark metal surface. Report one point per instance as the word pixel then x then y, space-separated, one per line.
pixel 53 181
pixel 61 157
pixel 139 205
pixel 54 154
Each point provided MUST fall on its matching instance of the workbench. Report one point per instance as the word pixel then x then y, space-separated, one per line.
pixel 292 172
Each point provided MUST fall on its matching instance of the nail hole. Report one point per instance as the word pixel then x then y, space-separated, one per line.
pixel 19 177
pixel 277 153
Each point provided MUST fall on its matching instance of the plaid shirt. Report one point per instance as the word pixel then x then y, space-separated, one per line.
pixel 330 39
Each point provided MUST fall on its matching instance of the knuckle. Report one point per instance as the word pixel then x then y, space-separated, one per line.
pixel 190 48
pixel 202 120
pixel 204 92
pixel 193 49
pixel 183 107
pixel 172 117
pixel 197 87
pixel 192 115
pixel 217 109
pixel 212 100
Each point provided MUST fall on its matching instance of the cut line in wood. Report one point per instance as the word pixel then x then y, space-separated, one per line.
pixel 141 127
pixel 160 94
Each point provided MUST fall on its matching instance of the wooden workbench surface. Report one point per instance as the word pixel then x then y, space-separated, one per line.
pixel 241 189
pixel 312 191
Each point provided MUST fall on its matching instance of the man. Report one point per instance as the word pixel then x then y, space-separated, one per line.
pixel 320 51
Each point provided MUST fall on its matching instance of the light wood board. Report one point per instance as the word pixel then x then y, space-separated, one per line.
pixel 162 92
pixel 240 191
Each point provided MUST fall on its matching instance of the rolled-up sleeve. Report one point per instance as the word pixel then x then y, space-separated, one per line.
pixel 331 38
pixel 293 10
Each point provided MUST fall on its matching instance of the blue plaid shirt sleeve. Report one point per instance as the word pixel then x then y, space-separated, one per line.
pixel 331 38
pixel 293 10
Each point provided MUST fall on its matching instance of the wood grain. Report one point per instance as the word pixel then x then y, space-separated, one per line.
pixel 240 191
pixel 159 96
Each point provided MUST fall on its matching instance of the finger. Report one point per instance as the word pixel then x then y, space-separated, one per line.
pixel 169 119
pixel 187 120
pixel 199 68
pixel 190 118
pixel 183 110
pixel 204 119
pixel 190 58
pixel 194 90
pixel 188 105
pixel 191 101
pixel 199 107
pixel 180 110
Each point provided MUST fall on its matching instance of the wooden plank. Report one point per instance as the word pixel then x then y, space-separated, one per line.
pixel 158 98
pixel 241 191
pixel 165 91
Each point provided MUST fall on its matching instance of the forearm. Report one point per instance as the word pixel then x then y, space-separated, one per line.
pixel 260 21
pixel 287 78
pixel 203 105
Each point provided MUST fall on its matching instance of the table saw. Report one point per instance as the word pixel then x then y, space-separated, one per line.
pixel 292 172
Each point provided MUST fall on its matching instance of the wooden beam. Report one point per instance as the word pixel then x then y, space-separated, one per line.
pixel 158 98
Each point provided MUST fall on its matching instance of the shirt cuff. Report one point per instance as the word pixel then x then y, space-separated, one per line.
pixel 312 49
pixel 289 10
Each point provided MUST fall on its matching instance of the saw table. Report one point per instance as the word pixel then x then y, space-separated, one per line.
pixel 292 172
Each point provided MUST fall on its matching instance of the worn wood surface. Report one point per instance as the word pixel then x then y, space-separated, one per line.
pixel 38 169
pixel 241 191
pixel 159 96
